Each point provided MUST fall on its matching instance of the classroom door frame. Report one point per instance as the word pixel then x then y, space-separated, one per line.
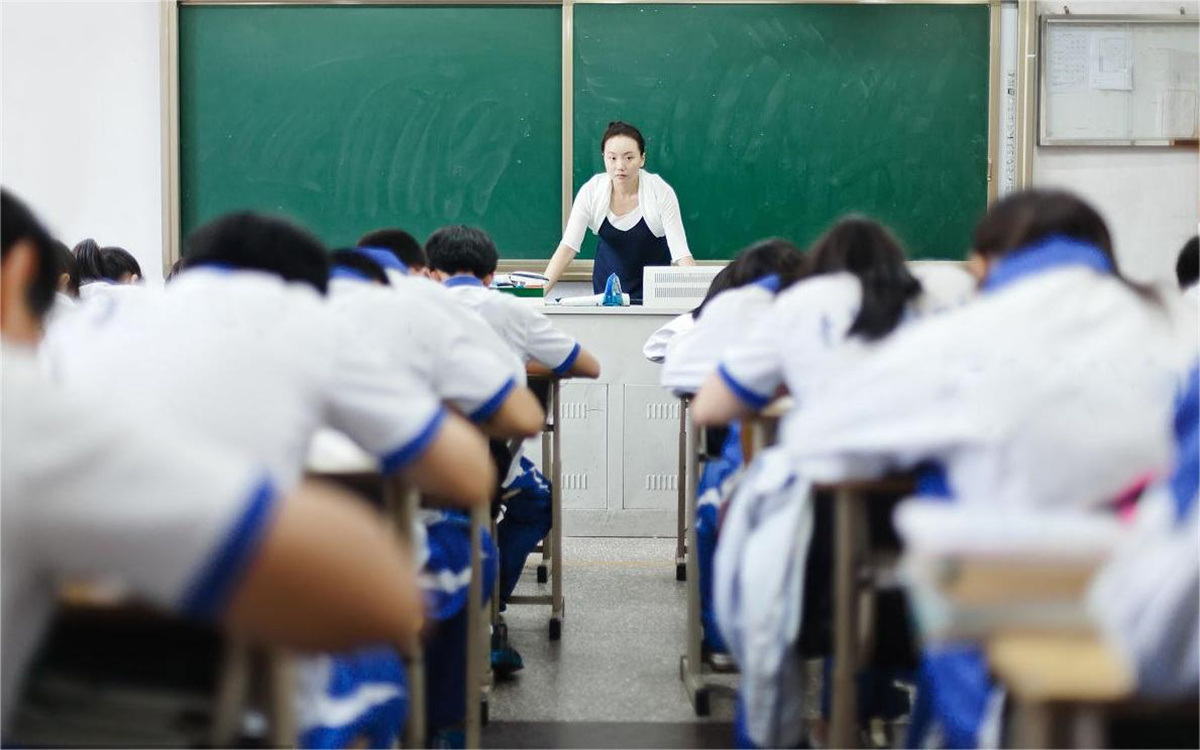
pixel 581 270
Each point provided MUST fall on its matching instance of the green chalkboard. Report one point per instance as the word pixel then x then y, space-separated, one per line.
pixel 348 118
pixel 776 119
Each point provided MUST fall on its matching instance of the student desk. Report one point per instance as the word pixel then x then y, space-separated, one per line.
pixel 852 575
pixel 620 472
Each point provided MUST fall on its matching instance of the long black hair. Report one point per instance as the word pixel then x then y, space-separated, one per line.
pixel 869 251
pixel 98 263
pixel 774 256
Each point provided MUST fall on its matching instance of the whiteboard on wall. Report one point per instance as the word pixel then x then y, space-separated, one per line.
pixel 1118 81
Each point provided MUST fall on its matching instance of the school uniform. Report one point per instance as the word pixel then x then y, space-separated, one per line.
pixel 1051 391
pixel 92 491
pixel 655 348
pixel 799 342
pixel 694 355
pixel 649 235
pixel 1147 598
pixel 244 358
pixel 533 338
pixel 427 342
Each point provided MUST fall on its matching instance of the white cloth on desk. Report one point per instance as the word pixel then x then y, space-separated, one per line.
pixel 655 348
pixel 693 355
pixel 758 589
pixel 1054 391
pixel 656 201
pixel 90 491
pixel 427 342
pixel 243 358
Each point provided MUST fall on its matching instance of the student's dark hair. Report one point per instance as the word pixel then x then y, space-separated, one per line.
pixel 262 243
pixel 775 256
pixel 1022 219
pixel 462 249
pixel 618 128
pixel 17 224
pixel 98 263
pixel 866 249
pixel 349 258
pixel 177 268
pixel 1187 266
pixel 402 244
pixel 66 264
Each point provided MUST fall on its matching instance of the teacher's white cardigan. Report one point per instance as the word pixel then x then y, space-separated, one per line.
pixel 656 201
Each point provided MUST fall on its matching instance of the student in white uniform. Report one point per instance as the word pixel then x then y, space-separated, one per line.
pixel 91 492
pixel 102 268
pixel 1053 390
pixel 465 259
pixel 858 291
pixel 402 245
pixel 758 273
pixel 242 348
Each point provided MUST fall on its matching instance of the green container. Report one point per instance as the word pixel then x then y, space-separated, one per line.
pixel 523 291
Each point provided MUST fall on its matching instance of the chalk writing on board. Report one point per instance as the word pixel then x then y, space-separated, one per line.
pixel 1068 60
pixel 1111 61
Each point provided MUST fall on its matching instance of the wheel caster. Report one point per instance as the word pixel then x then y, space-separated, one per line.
pixel 701 703
pixel 543 574
pixel 555 629
pixel 680 571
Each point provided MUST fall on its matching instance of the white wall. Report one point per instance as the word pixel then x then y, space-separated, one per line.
pixel 80 123
pixel 1149 196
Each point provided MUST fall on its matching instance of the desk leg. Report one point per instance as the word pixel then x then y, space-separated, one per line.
pixel 556 551
pixel 848 512
pixel 691 665
pixel 681 520
pixel 233 691
pixel 1033 725
pixel 542 572
pixel 280 699
pixel 476 622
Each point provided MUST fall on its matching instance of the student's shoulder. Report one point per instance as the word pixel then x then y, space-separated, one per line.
pixel 820 292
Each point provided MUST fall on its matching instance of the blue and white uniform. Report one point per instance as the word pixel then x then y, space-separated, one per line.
pixel 243 358
pixel 649 235
pixel 1052 391
pixel 79 503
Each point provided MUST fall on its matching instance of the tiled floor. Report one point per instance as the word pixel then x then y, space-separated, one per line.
pixel 613 679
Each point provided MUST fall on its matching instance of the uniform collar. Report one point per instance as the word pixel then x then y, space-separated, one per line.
pixel 384 257
pixel 1050 254
pixel 348 273
pixel 771 282
pixel 462 280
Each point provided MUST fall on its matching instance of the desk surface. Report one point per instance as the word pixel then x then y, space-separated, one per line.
pixel 634 310
pixel 1049 667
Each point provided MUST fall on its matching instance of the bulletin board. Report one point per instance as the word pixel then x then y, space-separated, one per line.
pixel 1118 81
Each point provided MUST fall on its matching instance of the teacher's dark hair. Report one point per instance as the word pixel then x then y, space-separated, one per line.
pixel 866 249
pixel 260 243
pixel 617 128
pixel 462 249
pixel 1025 218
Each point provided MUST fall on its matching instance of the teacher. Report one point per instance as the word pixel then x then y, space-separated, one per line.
pixel 634 213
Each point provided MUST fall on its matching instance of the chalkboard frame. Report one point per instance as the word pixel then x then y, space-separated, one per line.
pixel 1048 21
pixel 579 270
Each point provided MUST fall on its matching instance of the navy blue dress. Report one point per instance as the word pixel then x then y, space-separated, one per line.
pixel 626 254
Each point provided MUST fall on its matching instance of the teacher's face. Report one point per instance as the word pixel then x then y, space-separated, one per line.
pixel 622 159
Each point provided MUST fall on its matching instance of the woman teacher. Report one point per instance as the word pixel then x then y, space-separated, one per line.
pixel 634 213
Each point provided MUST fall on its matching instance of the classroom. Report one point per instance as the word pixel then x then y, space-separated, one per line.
pixel 600 373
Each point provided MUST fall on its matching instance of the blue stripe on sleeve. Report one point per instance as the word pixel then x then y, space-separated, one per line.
pixel 404 455
pixel 567 363
pixel 489 407
pixel 209 593
pixel 751 398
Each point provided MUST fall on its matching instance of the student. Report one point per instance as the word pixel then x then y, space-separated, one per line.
pixel 655 348
pixel 213 537
pixel 401 244
pixel 1051 391
pixel 859 289
pixel 465 259
pixel 68 279
pixel 100 268
pixel 757 274
pixel 242 348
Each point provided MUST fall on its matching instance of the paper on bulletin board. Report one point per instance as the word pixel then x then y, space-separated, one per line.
pixel 1068 63
pixel 1110 60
